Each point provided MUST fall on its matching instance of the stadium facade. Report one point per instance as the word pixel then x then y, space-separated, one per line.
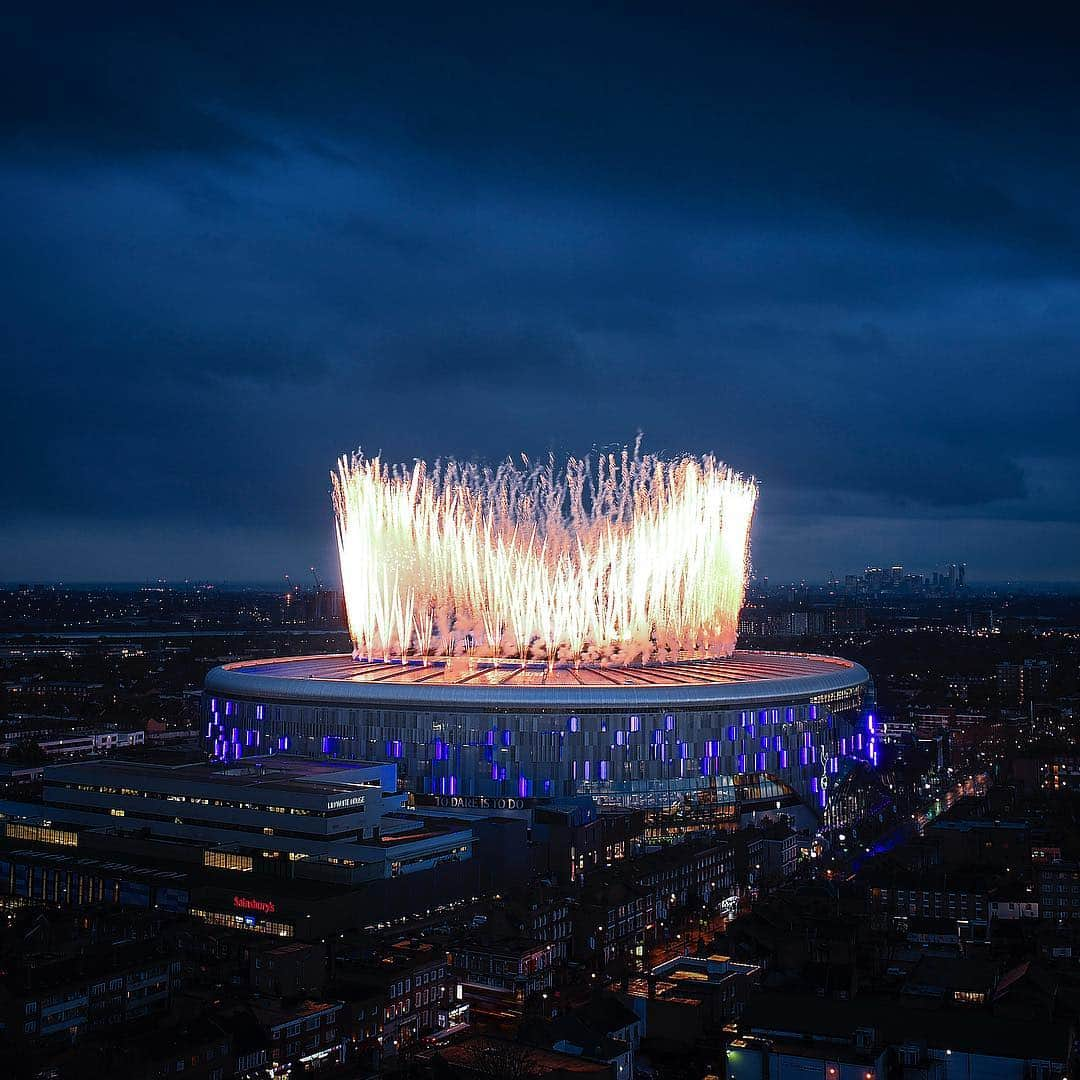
pixel 751 731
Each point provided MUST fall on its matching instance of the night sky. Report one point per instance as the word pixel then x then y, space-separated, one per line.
pixel 840 251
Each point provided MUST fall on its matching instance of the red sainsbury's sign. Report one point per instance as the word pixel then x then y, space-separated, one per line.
pixel 248 903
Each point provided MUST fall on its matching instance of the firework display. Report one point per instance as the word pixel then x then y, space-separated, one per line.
pixel 623 559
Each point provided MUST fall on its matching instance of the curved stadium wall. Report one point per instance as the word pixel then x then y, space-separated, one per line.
pixel 751 728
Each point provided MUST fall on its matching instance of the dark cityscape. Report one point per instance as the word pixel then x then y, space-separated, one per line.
pixel 932 911
pixel 540 545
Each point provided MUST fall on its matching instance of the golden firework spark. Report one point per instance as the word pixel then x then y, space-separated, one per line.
pixel 623 559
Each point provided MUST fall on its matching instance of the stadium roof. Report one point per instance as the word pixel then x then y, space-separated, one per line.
pixel 744 678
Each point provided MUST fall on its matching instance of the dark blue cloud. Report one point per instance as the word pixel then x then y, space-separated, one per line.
pixel 839 250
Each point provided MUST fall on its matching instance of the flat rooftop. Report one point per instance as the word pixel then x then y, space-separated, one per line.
pixel 285 775
pixel 744 677
pixel 59 860
pixel 830 1021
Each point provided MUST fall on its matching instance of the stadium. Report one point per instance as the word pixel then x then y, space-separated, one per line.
pixel 539 632
pixel 754 731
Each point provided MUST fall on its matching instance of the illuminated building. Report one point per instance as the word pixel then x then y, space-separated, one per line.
pixel 541 632
pixel 750 733
pixel 341 823
pixel 281 847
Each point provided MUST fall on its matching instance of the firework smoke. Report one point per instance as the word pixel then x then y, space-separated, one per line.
pixel 623 559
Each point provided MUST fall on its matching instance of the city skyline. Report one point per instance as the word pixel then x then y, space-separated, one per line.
pixel 316 578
